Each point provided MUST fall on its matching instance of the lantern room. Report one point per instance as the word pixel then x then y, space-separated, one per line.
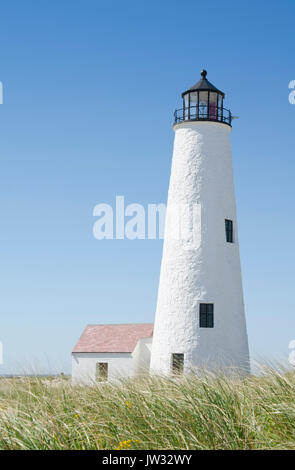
pixel 203 102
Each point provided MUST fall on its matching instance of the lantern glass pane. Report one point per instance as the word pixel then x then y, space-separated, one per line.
pixel 220 104
pixel 213 106
pixel 186 105
pixel 203 104
pixel 193 105
pixel 186 100
pixel 213 98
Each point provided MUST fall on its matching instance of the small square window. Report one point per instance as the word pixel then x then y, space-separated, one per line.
pixel 177 363
pixel 229 232
pixel 206 315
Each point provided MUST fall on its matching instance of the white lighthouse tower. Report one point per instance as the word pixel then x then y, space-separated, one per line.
pixel 200 318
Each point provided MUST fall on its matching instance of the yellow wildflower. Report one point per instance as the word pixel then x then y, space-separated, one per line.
pixel 126 444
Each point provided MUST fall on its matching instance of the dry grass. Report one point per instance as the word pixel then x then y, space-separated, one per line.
pixel 150 413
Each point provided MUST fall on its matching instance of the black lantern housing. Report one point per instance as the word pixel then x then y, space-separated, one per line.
pixel 203 102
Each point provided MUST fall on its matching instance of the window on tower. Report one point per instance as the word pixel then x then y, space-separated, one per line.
pixel 206 315
pixel 229 231
pixel 177 363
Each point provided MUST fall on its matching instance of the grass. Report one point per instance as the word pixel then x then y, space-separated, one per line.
pixel 150 413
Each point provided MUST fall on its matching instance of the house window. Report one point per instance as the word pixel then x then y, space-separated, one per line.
pixel 206 316
pixel 177 363
pixel 101 371
pixel 229 231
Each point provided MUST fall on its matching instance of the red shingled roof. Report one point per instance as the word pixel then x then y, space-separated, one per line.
pixel 112 338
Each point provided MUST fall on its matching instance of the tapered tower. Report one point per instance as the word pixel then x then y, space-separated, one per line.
pixel 200 318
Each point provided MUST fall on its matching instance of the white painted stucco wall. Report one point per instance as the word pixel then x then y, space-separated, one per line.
pixel 84 366
pixel 201 174
pixel 141 356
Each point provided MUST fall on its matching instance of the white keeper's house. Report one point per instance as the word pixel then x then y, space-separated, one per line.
pixel 109 352
pixel 200 318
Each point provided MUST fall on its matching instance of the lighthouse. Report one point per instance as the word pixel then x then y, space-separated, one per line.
pixel 200 319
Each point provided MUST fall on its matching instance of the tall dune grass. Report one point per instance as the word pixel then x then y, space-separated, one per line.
pixel 150 413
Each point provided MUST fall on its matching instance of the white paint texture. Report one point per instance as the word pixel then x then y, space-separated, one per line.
pixel 141 356
pixel 201 174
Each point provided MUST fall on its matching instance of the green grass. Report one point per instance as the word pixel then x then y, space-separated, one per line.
pixel 150 413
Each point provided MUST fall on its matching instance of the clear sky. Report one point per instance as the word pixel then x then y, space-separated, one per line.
pixel 89 92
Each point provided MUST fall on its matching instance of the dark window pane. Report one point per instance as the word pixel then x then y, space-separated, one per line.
pixel 229 230
pixel 210 308
pixel 206 316
pixel 210 320
pixel 203 320
pixel 203 308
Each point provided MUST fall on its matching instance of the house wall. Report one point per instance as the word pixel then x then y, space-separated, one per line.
pixel 84 366
pixel 141 356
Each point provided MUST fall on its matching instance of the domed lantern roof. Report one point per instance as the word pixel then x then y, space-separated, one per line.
pixel 203 102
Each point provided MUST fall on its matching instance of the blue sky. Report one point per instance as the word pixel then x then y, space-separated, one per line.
pixel 89 92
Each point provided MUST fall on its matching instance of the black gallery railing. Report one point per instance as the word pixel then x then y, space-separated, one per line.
pixel 203 113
